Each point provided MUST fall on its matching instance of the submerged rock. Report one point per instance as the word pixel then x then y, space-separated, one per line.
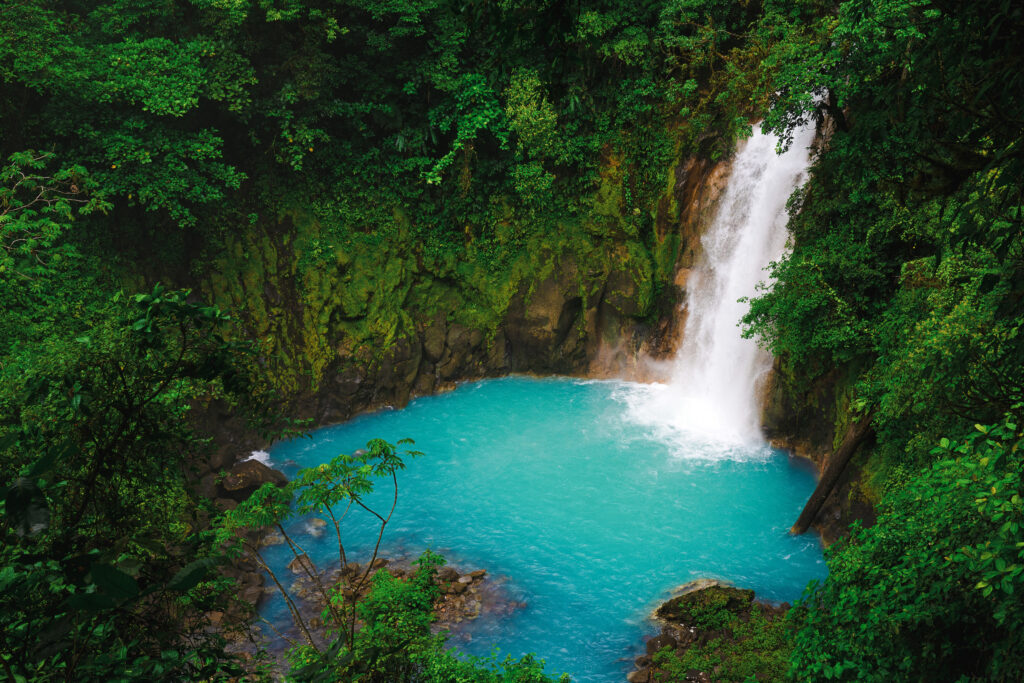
pixel 301 564
pixel 696 585
pixel 273 538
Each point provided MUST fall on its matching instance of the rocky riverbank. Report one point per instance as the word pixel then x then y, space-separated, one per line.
pixel 463 595
pixel 714 632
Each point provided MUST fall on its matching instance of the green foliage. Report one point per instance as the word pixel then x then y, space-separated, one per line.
pixel 907 257
pixel 437 109
pixel 79 618
pixel 443 155
pixel 41 281
pixel 748 648
pixel 710 609
pixel 395 643
pixel 35 209
pixel 107 406
pixel 932 591
pixel 907 268
pixel 468 139
pixel 104 564
pixel 533 118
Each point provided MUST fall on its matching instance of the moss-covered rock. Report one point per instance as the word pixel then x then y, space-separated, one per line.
pixel 707 608
pixel 716 632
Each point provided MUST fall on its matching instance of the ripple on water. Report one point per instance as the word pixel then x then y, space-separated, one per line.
pixel 594 516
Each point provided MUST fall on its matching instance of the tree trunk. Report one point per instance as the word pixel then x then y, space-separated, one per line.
pixel 837 462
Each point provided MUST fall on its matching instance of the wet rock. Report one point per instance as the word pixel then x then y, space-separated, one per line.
pixel 682 277
pixel 245 477
pixel 274 538
pixel 466 579
pixel 660 642
pixel 347 383
pixel 460 344
pixel 542 319
pixel 207 486
pixel 425 381
pixel 478 574
pixel 301 564
pixel 408 354
pixel 250 578
pixel 223 457
pixel 252 595
pixel 379 562
pixel 447 574
pixel 696 585
pixel 497 359
pixel 621 294
pixel 434 340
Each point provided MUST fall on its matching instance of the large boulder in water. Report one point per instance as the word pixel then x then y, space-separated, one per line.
pixel 710 619
pixel 247 476
pixel 704 607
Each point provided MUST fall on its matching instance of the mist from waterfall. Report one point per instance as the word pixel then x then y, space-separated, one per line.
pixel 715 387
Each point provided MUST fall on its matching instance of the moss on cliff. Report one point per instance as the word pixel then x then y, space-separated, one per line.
pixel 326 295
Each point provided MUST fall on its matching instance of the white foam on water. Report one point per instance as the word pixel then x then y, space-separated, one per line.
pixel 260 456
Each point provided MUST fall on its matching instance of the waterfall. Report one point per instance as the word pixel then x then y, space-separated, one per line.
pixel 714 391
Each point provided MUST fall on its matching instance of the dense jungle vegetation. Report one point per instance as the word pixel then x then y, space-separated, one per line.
pixel 168 168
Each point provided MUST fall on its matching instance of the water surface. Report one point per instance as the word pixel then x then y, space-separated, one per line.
pixel 591 515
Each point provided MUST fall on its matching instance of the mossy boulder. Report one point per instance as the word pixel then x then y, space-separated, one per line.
pixel 714 632
pixel 247 476
pixel 707 608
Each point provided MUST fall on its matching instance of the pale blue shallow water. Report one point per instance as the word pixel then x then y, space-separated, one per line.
pixel 592 518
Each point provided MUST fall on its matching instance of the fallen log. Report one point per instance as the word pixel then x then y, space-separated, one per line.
pixel 855 435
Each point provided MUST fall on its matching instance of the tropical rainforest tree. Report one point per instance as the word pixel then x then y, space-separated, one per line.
pixel 932 591
pixel 104 549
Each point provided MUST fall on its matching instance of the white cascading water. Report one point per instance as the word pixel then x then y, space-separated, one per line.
pixel 714 391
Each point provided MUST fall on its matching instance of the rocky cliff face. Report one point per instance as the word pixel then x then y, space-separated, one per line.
pixel 349 321
pixel 633 351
